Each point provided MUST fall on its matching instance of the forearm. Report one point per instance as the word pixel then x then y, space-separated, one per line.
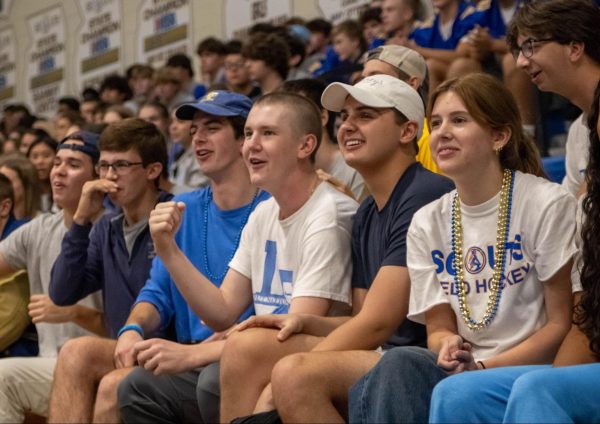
pixel 146 316
pixel 499 45
pixel 321 326
pixel 539 348
pixel 205 299
pixel 356 334
pixel 88 318
pixel 442 55
pixel 435 339
pixel 206 353
pixel 574 350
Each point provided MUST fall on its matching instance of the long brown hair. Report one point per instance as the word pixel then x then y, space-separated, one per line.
pixel 493 106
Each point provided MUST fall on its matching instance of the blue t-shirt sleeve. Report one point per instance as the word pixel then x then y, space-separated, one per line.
pixel 157 291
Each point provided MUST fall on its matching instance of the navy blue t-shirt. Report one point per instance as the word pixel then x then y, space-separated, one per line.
pixel 379 236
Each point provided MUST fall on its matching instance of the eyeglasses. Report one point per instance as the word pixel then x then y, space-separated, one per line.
pixel 234 66
pixel 528 46
pixel 121 167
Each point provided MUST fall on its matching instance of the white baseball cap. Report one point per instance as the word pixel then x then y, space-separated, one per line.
pixel 378 91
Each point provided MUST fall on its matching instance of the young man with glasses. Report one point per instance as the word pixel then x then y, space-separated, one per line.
pixel 115 258
pixel 557 42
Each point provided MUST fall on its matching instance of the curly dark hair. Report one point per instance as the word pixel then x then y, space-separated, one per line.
pixel 587 313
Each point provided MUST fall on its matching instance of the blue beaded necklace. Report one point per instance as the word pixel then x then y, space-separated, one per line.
pixel 504 212
pixel 236 243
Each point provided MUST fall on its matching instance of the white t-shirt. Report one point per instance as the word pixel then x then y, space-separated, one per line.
pixel 576 160
pixel 540 242
pixel 35 246
pixel 306 254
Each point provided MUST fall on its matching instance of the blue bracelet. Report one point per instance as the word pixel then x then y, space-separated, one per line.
pixel 129 327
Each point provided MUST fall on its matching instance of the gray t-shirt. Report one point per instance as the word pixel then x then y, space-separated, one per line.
pixel 131 232
pixel 35 246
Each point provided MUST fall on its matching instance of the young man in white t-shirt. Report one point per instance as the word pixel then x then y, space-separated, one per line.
pixel 294 252
pixel 557 43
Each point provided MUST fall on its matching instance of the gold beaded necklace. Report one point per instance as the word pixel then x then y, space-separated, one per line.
pixel 495 285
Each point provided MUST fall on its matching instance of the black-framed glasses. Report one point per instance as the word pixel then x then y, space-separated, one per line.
pixel 528 46
pixel 121 167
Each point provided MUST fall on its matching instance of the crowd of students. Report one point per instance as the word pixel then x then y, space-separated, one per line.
pixel 175 251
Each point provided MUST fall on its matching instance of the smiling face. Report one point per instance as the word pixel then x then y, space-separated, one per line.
pixel 71 169
pixel 270 145
pixel 548 65
pixel 215 145
pixel 368 136
pixel 459 144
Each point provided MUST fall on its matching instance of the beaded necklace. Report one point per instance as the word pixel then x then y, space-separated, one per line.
pixel 248 210
pixel 502 231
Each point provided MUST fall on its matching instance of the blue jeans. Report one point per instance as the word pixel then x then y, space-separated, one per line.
pixel 527 394
pixel 398 389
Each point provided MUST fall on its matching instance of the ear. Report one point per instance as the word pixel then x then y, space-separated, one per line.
pixel 500 137
pixel 324 117
pixel 153 171
pixel 307 146
pixel 408 132
pixel 5 207
pixel 576 50
pixel 414 82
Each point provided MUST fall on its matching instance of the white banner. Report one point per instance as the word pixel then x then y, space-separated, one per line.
pixel 240 15
pixel 5 8
pixel 8 66
pixel 336 11
pixel 46 61
pixel 164 30
pixel 99 43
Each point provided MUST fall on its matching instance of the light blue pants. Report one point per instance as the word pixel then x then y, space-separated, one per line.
pixel 527 394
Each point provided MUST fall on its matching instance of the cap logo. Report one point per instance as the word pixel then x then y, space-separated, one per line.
pixel 209 97
pixel 372 82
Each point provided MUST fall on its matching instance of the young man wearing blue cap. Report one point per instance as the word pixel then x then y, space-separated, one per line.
pixel 294 253
pixel 114 258
pixel 26 382
pixel 163 387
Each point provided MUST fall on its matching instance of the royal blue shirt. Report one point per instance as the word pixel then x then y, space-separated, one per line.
pixel 209 237
pixel 427 34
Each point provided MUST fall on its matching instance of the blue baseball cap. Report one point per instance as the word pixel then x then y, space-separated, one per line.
pixel 90 142
pixel 217 103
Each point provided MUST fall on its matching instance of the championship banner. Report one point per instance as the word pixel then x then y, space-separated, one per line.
pixel 46 61
pixel 8 66
pixel 241 15
pixel 164 30
pixel 5 8
pixel 99 43
pixel 336 11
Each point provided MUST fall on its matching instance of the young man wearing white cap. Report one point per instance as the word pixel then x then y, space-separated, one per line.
pixel 409 66
pixel 382 118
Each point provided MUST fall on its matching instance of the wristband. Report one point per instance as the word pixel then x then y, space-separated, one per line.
pixel 479 362
pixel 130 327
